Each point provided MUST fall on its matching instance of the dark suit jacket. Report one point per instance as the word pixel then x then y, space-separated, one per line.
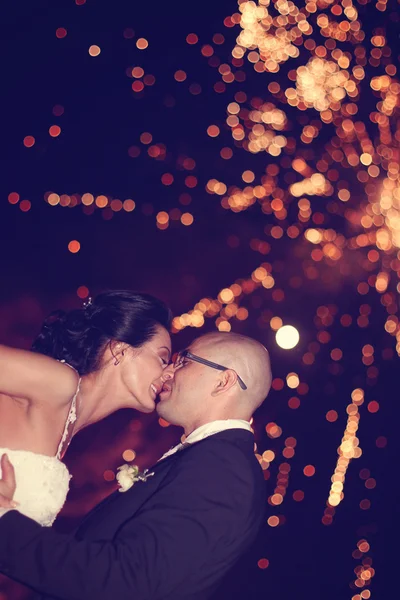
pixel 172 537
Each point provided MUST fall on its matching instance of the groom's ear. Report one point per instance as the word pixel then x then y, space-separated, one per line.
pixel 226 380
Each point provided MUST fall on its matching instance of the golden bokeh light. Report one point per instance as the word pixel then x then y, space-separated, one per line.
pixel 29 141
pixel 287 337
pixel 74 246
pixel 142 43
pixel 94 50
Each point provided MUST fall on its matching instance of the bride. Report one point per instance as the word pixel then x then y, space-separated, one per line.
pixel 85 365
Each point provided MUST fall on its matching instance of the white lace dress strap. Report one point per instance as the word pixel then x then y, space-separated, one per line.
pixel 71 418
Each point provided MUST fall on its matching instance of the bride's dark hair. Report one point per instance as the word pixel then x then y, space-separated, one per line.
pixel 79 336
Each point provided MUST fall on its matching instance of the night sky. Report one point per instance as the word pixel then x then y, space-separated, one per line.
pixel 241 163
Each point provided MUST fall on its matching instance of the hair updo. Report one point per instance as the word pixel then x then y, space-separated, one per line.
pixel 79 336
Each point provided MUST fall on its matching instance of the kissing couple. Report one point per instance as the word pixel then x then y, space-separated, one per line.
pixel 179 527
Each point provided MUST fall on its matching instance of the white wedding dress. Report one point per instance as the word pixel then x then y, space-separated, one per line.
pixel 42 481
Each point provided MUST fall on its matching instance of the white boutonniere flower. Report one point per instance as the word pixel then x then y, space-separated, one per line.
pixel 129 474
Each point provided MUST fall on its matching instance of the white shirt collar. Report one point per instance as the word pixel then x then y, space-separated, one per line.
pixel 208 429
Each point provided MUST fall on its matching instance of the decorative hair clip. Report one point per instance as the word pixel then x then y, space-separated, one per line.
pixel 88 303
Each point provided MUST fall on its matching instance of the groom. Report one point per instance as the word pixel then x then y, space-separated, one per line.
pixel 174 535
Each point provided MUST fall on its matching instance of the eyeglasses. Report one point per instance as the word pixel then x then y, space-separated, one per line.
pixel 186 354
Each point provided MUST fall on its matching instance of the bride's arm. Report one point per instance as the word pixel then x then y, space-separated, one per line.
pixel 35 377
pixel 7 483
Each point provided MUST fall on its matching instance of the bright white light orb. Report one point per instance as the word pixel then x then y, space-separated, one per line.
pixel 287 337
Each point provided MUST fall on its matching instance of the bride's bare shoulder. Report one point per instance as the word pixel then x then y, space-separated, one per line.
pixel 27 376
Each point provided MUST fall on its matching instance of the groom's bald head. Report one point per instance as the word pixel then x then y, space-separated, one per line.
pixel 195 393
pixel 246 356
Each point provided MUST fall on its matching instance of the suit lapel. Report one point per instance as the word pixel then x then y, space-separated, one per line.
pixel 128 502
pixel 120 506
